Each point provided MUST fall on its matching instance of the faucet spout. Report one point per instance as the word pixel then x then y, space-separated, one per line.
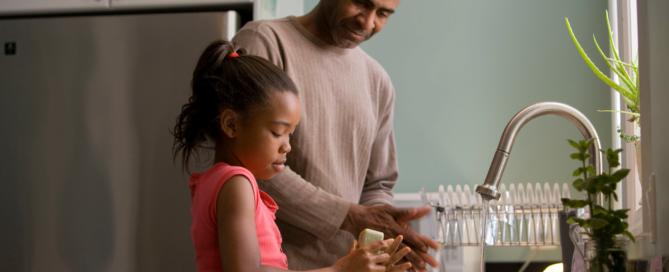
pixel 488 189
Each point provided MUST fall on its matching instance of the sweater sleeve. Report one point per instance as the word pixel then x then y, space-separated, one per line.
pixel 382 172
pixel 258 40
pixel 301 204
pixel 306 206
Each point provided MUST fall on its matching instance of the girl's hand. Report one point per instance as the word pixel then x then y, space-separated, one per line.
pixel 403 267
pixel 393 221
pixel 372 258
pixel 397 254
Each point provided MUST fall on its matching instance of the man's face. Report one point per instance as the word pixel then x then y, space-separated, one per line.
pixel 350 22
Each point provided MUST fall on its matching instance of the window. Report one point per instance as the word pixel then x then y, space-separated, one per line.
pixel 624 25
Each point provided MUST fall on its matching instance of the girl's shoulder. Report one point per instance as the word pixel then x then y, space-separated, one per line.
pixel 216 176
pixel 226 169
pixel 207 186
pixel 223 170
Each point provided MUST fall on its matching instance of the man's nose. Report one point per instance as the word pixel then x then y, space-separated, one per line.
pixel 367 20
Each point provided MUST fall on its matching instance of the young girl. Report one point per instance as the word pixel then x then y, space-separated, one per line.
pixel 248 108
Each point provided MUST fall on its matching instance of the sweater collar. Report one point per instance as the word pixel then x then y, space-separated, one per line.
pixel 317 41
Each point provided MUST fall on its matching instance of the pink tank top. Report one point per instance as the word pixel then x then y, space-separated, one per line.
pixel 204 192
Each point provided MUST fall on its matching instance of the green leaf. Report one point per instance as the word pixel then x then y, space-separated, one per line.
pixel 580 156
pixel 621 213
pixel 590 169
pixel 623 112
pixel 611 43
pixel 607 191
pixel 573 143
pixel 581 222
pixel 612 157
pixel 581 145
pixel 614 50
pixel 585 144
pixel 620 174
pixel 598 211
pixel 574 203
pixel 632 96
pixel 629 234
pixel 599 181
pixel 579 184
pixel 597 223
pixel 622 75
pixel 619 69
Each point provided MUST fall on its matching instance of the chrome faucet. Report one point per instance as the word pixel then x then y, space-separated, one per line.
pixel 488 189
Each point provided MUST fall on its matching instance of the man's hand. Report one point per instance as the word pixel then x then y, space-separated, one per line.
pixel 393 221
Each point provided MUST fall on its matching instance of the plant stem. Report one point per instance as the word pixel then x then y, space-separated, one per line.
pixel 585 179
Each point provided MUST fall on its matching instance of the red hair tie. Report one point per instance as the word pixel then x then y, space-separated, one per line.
pixel 233 54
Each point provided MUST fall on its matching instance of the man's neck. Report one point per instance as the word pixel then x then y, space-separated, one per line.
pixel 315 23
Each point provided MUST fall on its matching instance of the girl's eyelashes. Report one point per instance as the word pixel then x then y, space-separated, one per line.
pixel 282 131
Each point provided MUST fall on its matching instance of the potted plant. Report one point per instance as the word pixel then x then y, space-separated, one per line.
pixel 605 229
pixel 628 86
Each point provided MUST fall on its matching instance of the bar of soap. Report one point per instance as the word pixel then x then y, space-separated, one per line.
pixel 369 236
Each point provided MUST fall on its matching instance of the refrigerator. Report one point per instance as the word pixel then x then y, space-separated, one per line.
pixel 87 103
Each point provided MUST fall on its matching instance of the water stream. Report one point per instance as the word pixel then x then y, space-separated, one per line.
pixel 484 218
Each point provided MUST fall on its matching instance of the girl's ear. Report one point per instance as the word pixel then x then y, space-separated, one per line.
pixel 229 122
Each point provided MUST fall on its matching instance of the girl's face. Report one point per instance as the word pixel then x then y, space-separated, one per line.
pixel 263 139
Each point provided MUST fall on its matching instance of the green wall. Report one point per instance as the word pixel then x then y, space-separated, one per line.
pixel 462 68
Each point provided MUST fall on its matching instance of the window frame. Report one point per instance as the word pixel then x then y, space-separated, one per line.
pixel 624 25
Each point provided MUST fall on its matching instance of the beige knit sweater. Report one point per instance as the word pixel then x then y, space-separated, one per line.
pixel 343 150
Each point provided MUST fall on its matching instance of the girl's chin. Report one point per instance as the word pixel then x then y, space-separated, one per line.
pixel 271 172
pixel 278 167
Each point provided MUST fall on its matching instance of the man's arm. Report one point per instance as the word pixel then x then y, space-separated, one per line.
pixel 306 206
pixel 381 177
pixel 382 171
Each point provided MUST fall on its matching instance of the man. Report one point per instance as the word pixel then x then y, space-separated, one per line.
pixel 343 165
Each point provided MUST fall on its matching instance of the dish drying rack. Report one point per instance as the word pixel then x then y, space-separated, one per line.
pixel 525 215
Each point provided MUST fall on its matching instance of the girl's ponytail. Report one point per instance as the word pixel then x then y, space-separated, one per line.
pixel 199 117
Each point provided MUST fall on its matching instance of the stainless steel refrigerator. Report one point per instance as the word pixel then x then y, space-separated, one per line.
pixel 86 108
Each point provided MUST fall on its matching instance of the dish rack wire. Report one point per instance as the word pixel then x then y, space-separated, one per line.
pixel 525 215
